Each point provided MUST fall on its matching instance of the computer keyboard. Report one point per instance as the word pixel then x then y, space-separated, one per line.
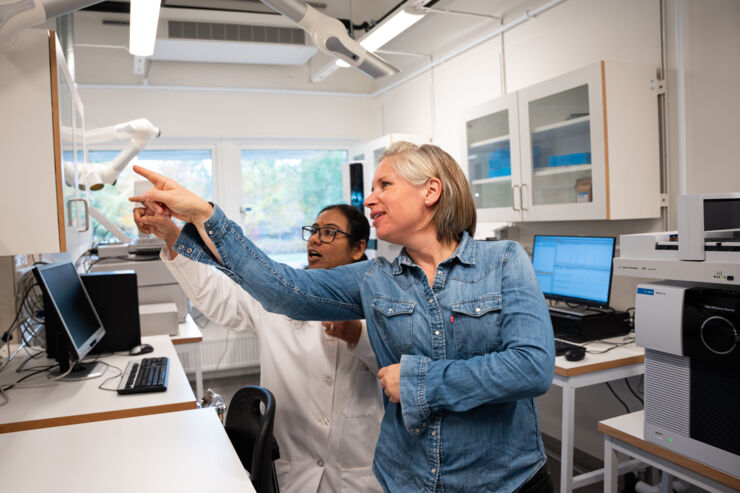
pixel 562 346
pixel 145 375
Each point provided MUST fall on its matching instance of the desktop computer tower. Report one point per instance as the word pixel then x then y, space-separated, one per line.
pixel 590 328
pixel 115 297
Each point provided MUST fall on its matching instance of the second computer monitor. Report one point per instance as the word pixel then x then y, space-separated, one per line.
pixel 81 325
pixel 574 269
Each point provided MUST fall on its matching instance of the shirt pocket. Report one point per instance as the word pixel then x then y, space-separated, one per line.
pixel 477 324
pixel 393 318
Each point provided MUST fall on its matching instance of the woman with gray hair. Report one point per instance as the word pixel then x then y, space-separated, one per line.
pixel 459 327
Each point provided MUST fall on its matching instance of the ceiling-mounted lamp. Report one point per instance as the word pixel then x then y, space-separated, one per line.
pixel 330 36
pixel 143 27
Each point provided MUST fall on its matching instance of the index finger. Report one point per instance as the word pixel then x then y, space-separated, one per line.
pixel 150 175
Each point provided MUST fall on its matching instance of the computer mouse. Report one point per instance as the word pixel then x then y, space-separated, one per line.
pixel 141 349
pixel 575 354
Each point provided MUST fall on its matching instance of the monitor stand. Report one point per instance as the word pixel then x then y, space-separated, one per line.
pixel 80 371
pixel 578 311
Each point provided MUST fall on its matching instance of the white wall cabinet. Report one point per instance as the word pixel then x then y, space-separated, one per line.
pixel 580 146
pixel 42 127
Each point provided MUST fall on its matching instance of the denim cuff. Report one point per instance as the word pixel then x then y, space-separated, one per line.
pixel 192 246
pixel 414 409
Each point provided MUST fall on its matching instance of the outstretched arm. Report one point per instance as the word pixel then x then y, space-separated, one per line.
pixel 170 198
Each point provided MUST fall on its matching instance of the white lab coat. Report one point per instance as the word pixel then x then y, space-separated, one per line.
pixel 328 409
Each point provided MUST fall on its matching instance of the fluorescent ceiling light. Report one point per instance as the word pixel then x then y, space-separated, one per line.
pixel 386 31
pixel 389 29
pixel 143 29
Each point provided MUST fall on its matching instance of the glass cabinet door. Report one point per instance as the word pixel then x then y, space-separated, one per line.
pixel 562 127
pixel 493 159
pixel 68 154
pixel 560 135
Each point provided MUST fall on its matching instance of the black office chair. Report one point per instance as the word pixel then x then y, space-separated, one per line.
pixel 250 431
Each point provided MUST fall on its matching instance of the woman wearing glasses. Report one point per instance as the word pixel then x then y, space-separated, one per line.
pixel 328 408
pixel 460 327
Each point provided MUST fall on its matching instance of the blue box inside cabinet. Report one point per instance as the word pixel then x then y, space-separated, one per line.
pixel 499 163
pixel 570 159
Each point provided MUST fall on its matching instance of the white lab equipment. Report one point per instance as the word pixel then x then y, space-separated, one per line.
pixel 94 176
pixel 330 36
pixel 18 15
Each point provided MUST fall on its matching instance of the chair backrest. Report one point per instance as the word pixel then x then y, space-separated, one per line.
pixel 250 431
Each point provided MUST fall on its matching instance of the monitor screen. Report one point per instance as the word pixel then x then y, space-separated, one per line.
pixel 576 269
pixel 63 287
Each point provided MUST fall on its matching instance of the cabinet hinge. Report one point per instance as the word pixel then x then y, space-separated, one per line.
pixel 657 86
pixel 664 200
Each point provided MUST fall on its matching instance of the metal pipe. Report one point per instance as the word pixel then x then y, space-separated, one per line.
pixel 66 35
pixel 458 12
pixel 680 7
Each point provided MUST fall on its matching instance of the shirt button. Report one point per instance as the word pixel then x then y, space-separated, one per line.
pixel 390 310
pixel 434 433
pixel 434 471
pixel 431 300
pixel 477 310
pixel 417 431
pixel 436 332
pixel 439 272
pixel 210 231
pixel 190 250
pixel 180 247
pixel 320 463
pixel 328 380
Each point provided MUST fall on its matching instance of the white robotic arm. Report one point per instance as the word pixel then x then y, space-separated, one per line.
pixel 92 176
pixel 17 15
pixel 330 36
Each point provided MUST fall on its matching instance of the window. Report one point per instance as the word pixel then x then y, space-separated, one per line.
pixel 191 167
pixel 283 190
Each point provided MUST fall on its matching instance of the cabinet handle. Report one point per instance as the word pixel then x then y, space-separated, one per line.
pixel 513 197
pixel 522 195
pixel 87 216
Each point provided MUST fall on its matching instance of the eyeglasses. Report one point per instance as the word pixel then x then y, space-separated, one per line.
pixel 326 234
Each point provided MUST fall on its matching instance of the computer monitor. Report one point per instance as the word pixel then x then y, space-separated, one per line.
pixel 574 269
pixel 79 326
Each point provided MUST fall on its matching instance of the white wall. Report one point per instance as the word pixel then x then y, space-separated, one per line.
pixel 241 115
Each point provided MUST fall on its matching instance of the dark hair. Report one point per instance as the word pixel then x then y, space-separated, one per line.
pixel 359 227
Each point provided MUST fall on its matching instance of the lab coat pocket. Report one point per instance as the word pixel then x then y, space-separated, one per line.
pixel 362 395
pixel 476 324
pixel 394 321
pixel 357 445
pixel 359 479
pixel 283 470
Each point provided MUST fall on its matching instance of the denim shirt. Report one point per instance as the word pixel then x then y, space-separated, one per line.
pixel 475 349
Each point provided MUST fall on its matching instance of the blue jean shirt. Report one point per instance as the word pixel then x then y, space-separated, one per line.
pixel 475 349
